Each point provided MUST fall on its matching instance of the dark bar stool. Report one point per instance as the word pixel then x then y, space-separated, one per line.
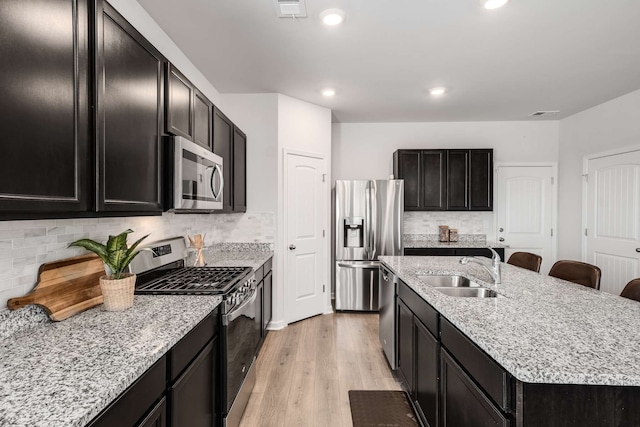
pixel 632 290
pixel 577 272
pixel 526 260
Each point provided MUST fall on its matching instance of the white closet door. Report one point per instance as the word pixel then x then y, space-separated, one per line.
pixel 613 218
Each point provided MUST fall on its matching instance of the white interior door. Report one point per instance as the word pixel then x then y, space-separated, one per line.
pixel 613 218
pixel 305 216
pixel 525 211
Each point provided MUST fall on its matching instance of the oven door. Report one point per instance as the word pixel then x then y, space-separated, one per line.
pixel 242 329
pixel 198 179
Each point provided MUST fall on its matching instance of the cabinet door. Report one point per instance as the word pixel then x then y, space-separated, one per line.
pixel 239 170
pixel 130 84
pixel 407 166
pixel 180 104
pixel 223 147
pixel 44 166
pixel 481 180
pixel 405 345
pixel 463 403
pixel 430 251
pixel 266 311
pixel 457 180
pixel 157 417
pixel 434 189
pixel 203 116
pixel 193 395
pixel 427 374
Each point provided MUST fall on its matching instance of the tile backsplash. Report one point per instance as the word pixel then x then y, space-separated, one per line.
pixel 25 245
pixel 465 222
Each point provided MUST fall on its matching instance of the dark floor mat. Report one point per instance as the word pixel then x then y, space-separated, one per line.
pixel 378 408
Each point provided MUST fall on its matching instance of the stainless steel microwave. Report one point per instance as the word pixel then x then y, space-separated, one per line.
pixel 197 183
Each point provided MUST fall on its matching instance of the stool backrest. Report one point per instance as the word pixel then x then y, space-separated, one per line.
pixel 526 260
pixel 577 272
pixel 632 290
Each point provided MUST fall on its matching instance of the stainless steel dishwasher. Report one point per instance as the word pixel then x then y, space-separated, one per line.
pixel 388 284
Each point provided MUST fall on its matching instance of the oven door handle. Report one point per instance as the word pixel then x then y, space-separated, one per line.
pixel 237 312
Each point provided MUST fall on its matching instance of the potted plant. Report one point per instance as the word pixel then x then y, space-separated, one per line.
pixel 117 285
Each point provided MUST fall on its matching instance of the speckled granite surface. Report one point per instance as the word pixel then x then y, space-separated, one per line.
pixel 464 241
pixel 236 258
pixel 65 373
pixel 546 330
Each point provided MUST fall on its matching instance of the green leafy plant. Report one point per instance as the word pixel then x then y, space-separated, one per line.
pixel 115 254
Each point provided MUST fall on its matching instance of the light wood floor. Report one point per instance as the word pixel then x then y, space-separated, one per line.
pixel 304 372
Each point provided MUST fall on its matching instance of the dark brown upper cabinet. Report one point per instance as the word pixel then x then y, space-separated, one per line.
pixel 180 104
pixel 223 147
pixel 454 180
pixel 129 116
pixel 239 170
pixel 45 120
pixel 203 120
pixel 424 173
pixel 230 143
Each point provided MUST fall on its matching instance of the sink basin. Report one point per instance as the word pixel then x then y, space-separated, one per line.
pixel 477 292
pixel 449 281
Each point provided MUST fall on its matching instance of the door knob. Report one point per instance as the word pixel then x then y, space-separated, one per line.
pixel 501 229
pixel 637 249
pixel 501 239
pixel 292 247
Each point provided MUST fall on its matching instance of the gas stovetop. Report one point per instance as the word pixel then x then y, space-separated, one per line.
pixel 195 280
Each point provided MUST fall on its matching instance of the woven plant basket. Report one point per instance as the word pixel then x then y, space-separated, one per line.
pixel 118 294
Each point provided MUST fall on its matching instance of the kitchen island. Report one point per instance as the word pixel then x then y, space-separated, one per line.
pixel 568 355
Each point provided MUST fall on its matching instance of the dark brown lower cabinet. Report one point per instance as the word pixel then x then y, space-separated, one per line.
pixel 267 303
pixel 192 396
pixel 426 368
pixel 453 252
pixel 405 344
pixel 463 402
pixel 158 415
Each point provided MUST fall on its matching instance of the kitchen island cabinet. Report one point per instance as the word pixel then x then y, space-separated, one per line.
pixel 547 352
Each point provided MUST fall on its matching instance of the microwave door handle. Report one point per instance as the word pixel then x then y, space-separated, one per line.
pixel 216 169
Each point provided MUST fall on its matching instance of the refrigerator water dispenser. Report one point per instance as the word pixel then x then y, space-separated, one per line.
pixel 353 232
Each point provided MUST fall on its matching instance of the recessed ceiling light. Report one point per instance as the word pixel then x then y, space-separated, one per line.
pixel 437 91
pixel 494 4
pixel 332 16
pixel 328 92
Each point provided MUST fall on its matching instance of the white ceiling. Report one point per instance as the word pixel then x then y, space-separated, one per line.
pixel 504 64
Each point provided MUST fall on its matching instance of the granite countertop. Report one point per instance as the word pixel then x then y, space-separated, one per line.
pixel 65 373
pixel 427 243
pixel 545 330
pixel 236 258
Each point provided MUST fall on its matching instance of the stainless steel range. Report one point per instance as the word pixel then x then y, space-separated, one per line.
pixel 161 270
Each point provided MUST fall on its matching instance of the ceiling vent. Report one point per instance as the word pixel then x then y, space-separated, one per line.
pixel 543 113
pixel 291 8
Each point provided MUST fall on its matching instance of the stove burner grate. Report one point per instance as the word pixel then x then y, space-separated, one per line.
pixel 196 280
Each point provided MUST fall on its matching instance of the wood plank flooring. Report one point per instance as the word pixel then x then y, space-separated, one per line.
pixel 304 372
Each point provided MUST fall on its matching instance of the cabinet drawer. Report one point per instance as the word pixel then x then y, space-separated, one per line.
pixel 490 376
pixel 189 346
pixel 423 311
pixel 430 251
pixel 134 402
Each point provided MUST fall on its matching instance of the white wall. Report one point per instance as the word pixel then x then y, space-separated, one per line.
pixel 365 150
pixel 614 124
pixel 303 127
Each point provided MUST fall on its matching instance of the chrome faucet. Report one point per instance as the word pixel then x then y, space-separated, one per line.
pixel 492 267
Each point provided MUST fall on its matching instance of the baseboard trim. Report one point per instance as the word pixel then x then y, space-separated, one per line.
pixel 277 325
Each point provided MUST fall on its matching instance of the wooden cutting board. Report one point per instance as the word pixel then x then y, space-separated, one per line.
pixel 65 287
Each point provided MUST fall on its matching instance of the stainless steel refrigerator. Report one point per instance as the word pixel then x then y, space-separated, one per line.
pixel 369 223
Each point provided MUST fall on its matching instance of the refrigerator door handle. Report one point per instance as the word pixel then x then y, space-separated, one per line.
pixel 359 264
pixel 374 221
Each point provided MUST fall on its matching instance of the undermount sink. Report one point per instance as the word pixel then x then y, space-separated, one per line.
pixel 478 292
pixel 449 281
